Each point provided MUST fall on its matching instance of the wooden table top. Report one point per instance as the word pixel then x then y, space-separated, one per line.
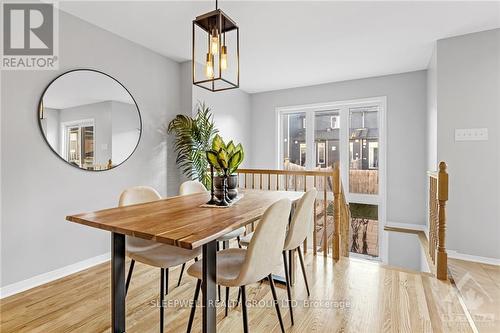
pixel 181 221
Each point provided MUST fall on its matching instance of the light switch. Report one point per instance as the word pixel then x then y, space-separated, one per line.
pixel 471 134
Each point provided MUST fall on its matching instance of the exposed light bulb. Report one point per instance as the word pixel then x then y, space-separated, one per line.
pixel 223 58
pixel 214 42
pixel 209 66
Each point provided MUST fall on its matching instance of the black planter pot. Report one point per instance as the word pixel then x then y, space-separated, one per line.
pixel 232 184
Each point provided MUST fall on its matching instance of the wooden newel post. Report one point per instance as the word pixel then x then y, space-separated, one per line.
pixel 442 196
pixel 336 212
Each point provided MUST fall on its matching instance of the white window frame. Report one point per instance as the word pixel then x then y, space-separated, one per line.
pixel 379 199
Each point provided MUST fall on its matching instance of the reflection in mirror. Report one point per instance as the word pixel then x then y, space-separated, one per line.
pixel 90 120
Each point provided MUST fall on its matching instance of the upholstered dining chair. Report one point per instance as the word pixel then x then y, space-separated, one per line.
pixel 149 252
pixel 298 230
pixel 240 267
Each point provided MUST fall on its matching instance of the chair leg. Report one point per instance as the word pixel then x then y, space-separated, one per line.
pixel 276 305
pixel 162 295
pixel 288 291
pixel 301 258
pixel 193 306
pixel 129 275
pixel 244 309
pixel 238 300
pixel 180 275
pixel 227 301
pixel 166 281
pixel 239 239
pixel 218 287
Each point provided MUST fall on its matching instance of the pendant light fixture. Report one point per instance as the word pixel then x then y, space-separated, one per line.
pixel 216 51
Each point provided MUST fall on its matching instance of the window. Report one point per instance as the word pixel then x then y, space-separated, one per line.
pixel 315 137
pixel 363 148
pixel 326 136
pixel 293 138
pixel 79 143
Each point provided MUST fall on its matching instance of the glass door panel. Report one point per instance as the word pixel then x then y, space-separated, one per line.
pixel 364 229
pixel 293 140
pixel 363 150
pixel 315 137
pixel 326 138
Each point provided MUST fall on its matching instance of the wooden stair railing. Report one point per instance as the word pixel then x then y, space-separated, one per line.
pixel 438 196
pixel 331 212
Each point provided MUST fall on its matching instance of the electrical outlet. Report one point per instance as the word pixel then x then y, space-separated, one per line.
pixel 471 134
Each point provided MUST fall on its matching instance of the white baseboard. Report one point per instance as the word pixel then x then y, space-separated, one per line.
pixel 483 260
pixel 38 280
pixel 409 226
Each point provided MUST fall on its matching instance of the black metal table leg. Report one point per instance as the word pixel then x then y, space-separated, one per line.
pixel 209 287
pixel 117 282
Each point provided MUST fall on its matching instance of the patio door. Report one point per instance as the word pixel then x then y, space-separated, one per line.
pixel 314 137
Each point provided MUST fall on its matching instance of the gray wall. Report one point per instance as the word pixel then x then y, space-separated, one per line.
pixel 406 129
pixel 39 190
pixel 432 113
pixel 468 93
pixel 405 250
pixel 232 116
pixel 231 110
pixel 125 126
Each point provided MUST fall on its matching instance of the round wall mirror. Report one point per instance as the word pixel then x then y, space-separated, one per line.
pixel 90 120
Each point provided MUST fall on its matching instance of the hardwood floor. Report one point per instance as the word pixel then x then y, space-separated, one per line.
pixel 349 296
pixel 479 286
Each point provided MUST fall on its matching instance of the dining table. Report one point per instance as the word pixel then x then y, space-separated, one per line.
pixel 184 221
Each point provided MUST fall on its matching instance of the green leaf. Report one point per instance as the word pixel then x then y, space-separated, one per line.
pixel 213 160
pixel 235 161
pixel 239 148
pixel 193 136
pixel 218 143
pixel 230 148
pixel 223 159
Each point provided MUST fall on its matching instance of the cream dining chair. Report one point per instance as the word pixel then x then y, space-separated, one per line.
pixel 149 252
pixel 194 186
pixel 240 267
pixel 297 232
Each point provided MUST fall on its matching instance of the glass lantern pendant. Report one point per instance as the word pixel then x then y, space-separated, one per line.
pixel 215 61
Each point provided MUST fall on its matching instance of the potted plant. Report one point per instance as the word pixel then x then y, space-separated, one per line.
pixel 225 159
pixel 193 136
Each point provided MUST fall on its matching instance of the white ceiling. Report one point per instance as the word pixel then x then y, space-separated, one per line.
pixel 300 43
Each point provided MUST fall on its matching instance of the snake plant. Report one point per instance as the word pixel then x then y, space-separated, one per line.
pixel 193 137
pixel 225 158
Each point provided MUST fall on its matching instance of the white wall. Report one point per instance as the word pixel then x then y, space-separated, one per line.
pixel 39 190
pixel 468 90
pixel 231 110
pixel 406 130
